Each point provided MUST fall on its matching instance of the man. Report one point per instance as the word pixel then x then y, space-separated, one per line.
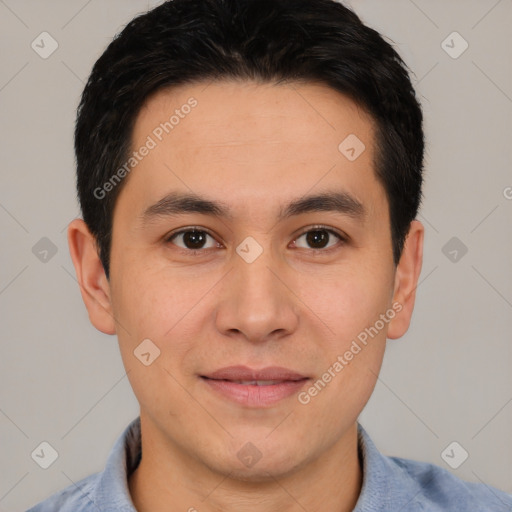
pixel 249 174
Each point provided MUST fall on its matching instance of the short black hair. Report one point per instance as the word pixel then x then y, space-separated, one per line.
pixel 272 41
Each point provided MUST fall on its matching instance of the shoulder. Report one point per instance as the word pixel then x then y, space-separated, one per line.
pixel 437 489
pixel 74 498
pixel 105 490
pixel 396 483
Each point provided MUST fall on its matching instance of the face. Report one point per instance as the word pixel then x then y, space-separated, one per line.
pixel 282 259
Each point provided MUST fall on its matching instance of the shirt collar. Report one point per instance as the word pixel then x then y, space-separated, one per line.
pixel 386 484
pixel 112 492
pixel 380 490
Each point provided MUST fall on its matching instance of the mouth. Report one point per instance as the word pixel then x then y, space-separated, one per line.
pixel 244 374
pixel 255 388
pixel 254 382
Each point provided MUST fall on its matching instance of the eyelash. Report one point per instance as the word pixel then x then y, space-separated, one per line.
pixel 199 252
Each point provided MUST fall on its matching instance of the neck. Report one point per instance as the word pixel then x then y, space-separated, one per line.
pixel 175 482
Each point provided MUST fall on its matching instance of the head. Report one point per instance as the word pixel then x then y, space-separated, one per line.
pixel 294 132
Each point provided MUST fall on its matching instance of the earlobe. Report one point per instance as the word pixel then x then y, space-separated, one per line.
pixel 94 286
pixel 406 280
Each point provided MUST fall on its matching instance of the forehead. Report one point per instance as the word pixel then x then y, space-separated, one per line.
pixel 233 113
pixel 244 142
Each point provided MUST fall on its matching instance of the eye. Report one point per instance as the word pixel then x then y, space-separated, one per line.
pixel 192 239
pixel 319 238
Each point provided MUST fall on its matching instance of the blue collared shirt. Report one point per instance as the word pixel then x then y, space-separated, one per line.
pixel 390 484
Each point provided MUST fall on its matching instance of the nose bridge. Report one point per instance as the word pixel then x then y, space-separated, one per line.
pixel 257 281
pixel 256 302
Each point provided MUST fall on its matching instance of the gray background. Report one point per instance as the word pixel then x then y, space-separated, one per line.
pixel 448 379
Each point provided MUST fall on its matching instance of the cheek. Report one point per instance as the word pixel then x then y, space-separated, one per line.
pixel 351 305
pixel 153 302
pixel 348 300
pixel 352 354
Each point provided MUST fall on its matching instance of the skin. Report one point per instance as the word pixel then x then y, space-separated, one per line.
pixel 254 147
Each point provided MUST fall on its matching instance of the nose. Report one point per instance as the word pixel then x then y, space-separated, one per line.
pixel 256 301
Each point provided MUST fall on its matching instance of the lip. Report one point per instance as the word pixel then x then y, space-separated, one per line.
pixel 246 373
pixel 222 382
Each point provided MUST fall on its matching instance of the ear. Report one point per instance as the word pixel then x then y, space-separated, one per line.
pixel 94 285
pixel 406 280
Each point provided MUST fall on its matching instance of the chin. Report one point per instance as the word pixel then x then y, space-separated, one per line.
pixel 261 474
pixel 260 466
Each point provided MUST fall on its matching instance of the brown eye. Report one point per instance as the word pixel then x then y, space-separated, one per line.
pixel 318 239
pixel 192 239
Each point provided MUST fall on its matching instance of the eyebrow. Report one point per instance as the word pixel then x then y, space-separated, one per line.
pixel 179 203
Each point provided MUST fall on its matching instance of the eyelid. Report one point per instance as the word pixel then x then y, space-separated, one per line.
pixel 188 228
pixel 321 227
